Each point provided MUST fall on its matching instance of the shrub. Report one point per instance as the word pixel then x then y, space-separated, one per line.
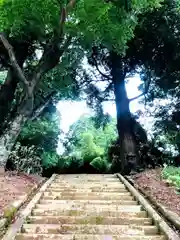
pixel 172 174
pixel 49 159
pixel 100 164
pixel 71 163
pixel 26 159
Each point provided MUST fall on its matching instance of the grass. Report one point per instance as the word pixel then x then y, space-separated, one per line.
pixel 172 175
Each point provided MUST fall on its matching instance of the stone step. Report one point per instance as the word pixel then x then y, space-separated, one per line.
pixel 91 202
pixel 86 186
pixel 78 212
pixel 89 229
pixel 59 207
pixel 86 176
pixel 102 182
pixel 55 185
pixel 91 194
pixel 87 179
pixel 87 207
pixel 88 182
pixel 56 196
pixel 88 220
pixel 85 237
pixel 109 180
pixel 85 190
pixel 127 193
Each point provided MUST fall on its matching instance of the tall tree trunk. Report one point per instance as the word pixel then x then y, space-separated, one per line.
pixel 9 137
pixel 124 123
pixel 7 94
pixel 7 90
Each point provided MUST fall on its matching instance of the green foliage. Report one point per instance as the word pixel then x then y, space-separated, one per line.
pixel 89 149
pixel 100 164
pixel 104 22
pixel 109 23
pixel 26 159
pixel 2 76
pixel 70 163
pixel 63 78
pixel 42 132
pixel 9 214
pixel 155 48
pixel 172 175
pixel 86 144
pixel 90 22
pixel 21 18
pixel 49 159
pixel 87 141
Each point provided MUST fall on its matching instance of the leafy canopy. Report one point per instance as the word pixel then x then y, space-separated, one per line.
pixel 109 23
pixel 86 141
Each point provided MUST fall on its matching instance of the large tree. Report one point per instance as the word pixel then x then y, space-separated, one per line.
pixel 112 70
pixel 159 41
pixel 47 30
pixel 155 51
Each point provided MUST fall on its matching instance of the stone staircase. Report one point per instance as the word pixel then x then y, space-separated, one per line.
pixel 88 207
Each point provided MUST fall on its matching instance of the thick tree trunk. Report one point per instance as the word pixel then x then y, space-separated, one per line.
pixel 7 90
pixel 124 126
pixel 8 139
pixel 7 94
pixel 10 135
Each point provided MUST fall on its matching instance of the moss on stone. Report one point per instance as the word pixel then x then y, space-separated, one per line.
pixel 99 220
pixel 73 213
pixel 9 213
pixel 28 220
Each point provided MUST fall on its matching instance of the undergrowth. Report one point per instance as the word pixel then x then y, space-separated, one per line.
pixel 172 175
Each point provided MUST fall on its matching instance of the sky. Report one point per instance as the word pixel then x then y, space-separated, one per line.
pixel 71 111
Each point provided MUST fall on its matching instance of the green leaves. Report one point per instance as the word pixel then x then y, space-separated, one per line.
pixel 100 164
pixel 26 159
pixel 172 175
pixel 23 18
pixel 49 159
pixel 86 141
pixel 42 132
pixel 108 23
pixel 92 20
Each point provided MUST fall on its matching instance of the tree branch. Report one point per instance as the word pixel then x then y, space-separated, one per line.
pixel 37 112
pixel 97 67
pixel 53 52
pixel 145 91
pixel 102 99
pixel 134 98
pixel 48 61
pixel 14 63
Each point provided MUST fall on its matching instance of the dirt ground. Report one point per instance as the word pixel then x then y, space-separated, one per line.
pixel 151 182
pixel 12 186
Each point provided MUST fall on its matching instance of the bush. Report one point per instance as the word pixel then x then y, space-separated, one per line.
pixel 26 159
pixel 100 164
pixel 70 163
pixel 49 159
pixel 172 174
pixel 89 150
